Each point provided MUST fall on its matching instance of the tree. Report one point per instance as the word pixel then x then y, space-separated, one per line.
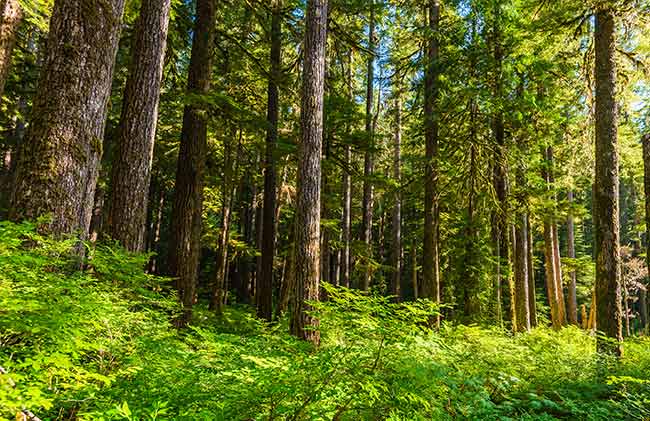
pixel 60 156
pixel 430 264
pixel 396 243
pixel 188 192
pixel 131 171
pixel 307 224
pixel 572 299
pixel 609 313
pixel 265 285
pixel 11 15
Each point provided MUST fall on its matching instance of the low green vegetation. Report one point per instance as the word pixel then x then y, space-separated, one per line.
pixel 100 344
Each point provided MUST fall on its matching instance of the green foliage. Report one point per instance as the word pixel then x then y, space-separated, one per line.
pixel 97 344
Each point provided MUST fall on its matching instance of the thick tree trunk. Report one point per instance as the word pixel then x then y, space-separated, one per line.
pixel 265 286
pixel 396 243
pixel 188 193
pixel 606 188
pixel 11 14
pixel 60 156
pixel 304 325
pixel 572 309
pixel 430 263
pixel 131 172
pixel 369 164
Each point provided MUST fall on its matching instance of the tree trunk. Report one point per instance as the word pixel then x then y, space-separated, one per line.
pixel 549 266
pixel 346 216
pixel 368 165
pixel 430 263
pixel 532 300
pixel 188 193
pixel 606 188
pixel 303 324
pixel 11 14
pixel 131 171
pixel 572 309
pixel 522 307
pixel 61 153
pixel 265 285
pixel 396 243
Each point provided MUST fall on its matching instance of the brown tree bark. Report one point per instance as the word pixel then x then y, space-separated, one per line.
pixel 430 263
pixel 188 193
pixel 369 159
pixel 346 216
pixel 60 156
pixel 549 267
pixel 645 141
pixel 11 14
pixel 609 313
pixel 131 171
pixel 522 307
pixel 265 285
pixel 532 302
pixel 572 310
pixel 396 243
pixel 303 324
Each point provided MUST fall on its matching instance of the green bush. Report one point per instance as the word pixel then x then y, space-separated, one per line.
pixel 98 344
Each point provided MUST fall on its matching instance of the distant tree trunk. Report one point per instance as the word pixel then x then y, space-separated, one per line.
pixel 265 286
pixel 155 227
pixel 396 243
pixel 131 172
pixel 583 317
pixel 304 325
pixel 220 290
pixel 414 270
pixel 188 193
pixel 368 165
pixel 606 188
pixel 521 273
pixel 549 266
pixel 561 303
pixel 430 262
pixel 61 152
pixel 532 302
pixel 11 14
pixel 571 253
pixel 646 185
pixel 346 217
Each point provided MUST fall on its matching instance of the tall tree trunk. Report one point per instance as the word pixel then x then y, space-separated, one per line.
pixel 265 285
pixel 559 287
pixel 131 172
pixel 303 324
pixel 430 263
pixel 346 215
pixel 396 243
pixel 11 14
pixel 368 164
pixel 521 273
pixel 572 309
pixel 532 302
pixel 61 153
pixel 645 141
pixel 549 266
pixel 606 188
pixel 188 193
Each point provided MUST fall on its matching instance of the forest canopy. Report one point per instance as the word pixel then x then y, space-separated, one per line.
pixel 324 209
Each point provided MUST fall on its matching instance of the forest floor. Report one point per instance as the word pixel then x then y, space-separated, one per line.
pixel 99 345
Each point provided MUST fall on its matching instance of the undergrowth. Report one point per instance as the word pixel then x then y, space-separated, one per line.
pixel 98 344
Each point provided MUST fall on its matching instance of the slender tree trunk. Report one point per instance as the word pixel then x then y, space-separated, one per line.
pixel 11 14
pixel 414 270
pixel 396 243
pixel 559 287
pixel 430 263
pixel 265 286
pixel 155 228
pixel 606 188
pixel 549 266
pixel 646 186
pixel 368 165
pixel 346 216
pixel 188 193
pixel 532 302
pixel 521 273
pixel 61 153
pixel 131 172
pixel 571 253
pixel 303 324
